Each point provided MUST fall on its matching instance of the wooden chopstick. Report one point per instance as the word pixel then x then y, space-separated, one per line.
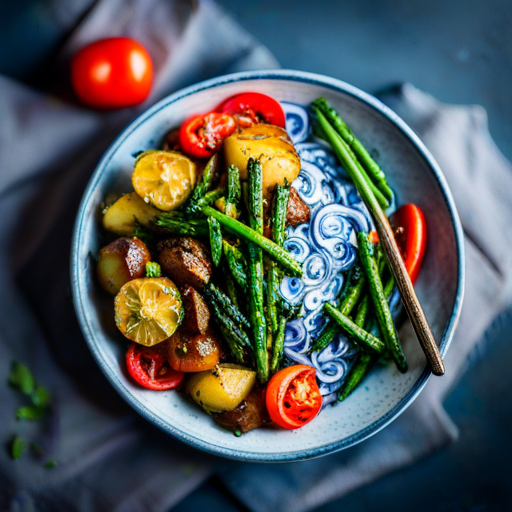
pixel 409 299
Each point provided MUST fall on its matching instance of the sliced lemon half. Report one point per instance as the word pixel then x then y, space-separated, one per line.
pixel 164 178
pixel 148 310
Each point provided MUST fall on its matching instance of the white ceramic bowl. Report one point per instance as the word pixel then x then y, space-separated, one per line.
pixel 412 173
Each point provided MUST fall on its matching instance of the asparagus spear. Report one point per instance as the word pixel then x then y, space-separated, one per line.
pixel 209 198
pixel 215 240
pixel 280 210
pixel 179 225
pixel 384 319
pixel 278 218
pixel 363 337
pixel 256 311
pixel 206 182
pixel 234 191
pixel 231 287
pixel 275 252
pixel 368 163
pixel 225 304
pixel 236 263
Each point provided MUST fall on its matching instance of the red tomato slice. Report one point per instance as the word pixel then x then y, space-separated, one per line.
pixel 149 367
pixel 201 136
pixel 293 397
pixel 253 107
pixel 411 235
pixel 112 73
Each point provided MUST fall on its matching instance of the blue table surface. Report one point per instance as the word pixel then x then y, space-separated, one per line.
pixel 461 52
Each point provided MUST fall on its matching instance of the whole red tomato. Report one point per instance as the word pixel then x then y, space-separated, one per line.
pixel 112 73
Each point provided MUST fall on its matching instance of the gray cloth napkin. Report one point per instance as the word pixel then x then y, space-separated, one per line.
pixel 108 458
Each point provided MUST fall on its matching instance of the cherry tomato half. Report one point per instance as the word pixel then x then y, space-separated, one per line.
pixel 149 367
pixel 253 107
pixel 293 397
pixel 112 73
pixel 411 236
pixel 201 136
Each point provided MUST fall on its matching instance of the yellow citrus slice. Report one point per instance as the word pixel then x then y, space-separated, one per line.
pixel 164 178
pixel 148 310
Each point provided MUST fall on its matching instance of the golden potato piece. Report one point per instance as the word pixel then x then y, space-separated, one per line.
pixel 222 388
pixel 148 310
pixel 274 149
pixel 121 261
pixel 130 209
pixel 164 178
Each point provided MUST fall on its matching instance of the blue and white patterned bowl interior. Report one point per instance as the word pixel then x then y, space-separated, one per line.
pixel 326 245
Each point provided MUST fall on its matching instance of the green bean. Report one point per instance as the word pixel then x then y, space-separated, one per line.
pixel 272 295
pixel 274 251
pixel 362 311
pixel 355 376
pixel 357 333
pixel 350 164
pixel 363 360
pixel 277 354
pixel 215 240
pixel 369 164
pixel 352 295
pixel 384 318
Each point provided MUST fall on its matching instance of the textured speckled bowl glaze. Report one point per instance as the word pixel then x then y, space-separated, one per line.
pixel 412 173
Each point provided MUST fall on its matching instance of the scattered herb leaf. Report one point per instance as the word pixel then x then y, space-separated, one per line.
pixel 21 378
pixel 30 412
pixel 41 397
pixel 153 269
pixel 17 448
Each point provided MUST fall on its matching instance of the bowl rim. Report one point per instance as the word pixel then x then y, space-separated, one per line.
pixel 77 271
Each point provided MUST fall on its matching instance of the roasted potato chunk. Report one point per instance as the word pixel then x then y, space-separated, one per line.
pixel 193 352
pixel 121 217
pixel 250 414
pixel 272 146
pixel 197 314
pixel 185 261
pixel 121 261
pixel 298 211
pixel 222 388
